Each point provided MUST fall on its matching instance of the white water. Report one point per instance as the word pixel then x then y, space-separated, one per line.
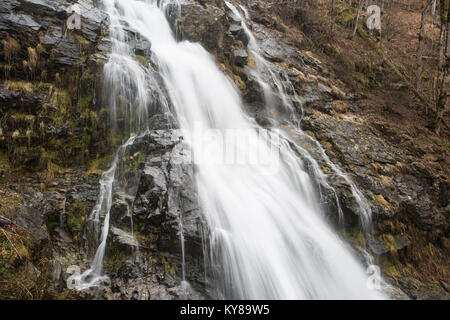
pixel 127 82
pixel 282 86
pixel 268 237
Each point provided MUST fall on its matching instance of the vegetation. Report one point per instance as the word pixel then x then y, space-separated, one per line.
pixel 10 48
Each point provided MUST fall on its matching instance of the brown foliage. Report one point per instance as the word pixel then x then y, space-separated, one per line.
pixel 10 48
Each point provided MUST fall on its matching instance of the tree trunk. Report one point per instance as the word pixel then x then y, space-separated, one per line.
pixel 420 47
pixel 357 18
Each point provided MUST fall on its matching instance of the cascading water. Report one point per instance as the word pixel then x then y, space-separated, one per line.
pixel 268 238
pixel 129 87
pixel 263 66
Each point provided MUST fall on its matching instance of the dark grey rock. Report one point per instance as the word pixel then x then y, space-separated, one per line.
pixel 44 7
pixel 123 240
pixel 7 6
pixel 239 33
pixel 12 20
pixel 240 56
pixel 66 51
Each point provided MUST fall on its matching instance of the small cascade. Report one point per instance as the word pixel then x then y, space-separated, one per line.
pixel 94 275
pixel 264 66
pixel 131 93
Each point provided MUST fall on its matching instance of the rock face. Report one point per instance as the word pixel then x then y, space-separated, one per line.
pixel 55 141
pixel 154 207
pixel 197 22
pixel 51 84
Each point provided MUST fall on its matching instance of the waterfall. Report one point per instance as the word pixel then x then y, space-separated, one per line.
pixel 267 234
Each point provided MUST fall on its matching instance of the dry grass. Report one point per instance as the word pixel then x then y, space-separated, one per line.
pixel 10 48
pixel 31 64
pixel 24 265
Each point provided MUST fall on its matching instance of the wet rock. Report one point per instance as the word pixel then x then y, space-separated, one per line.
pixel 275 48
pixel 376 247
pixel 240 56
pixel 44 7
pixel 93 20
pixel 123 240
pixel 120 210
pixel 7 6
pixel 142 47
pixel 197 23
pixel 32 272
pixel 239 33
pixel 396 294
pixel 52 36
pixel 66 51
pixel 418 291
pixel 8 96
pixel 56 272
pixel 105 45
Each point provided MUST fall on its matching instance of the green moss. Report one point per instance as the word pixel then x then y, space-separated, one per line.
pixel 142 60
pixel 425 76
pixel 75 218
pixel 8 202
pixel 361 32
pixel 23 86
pixel 355 237
pixel 251 61
pixel 51 226
pixel 168 269
pixel 239 81
pixel 60 97
pixel 330 51
pixel 389 241
pixel 84 44
pixel 16 280
pixel 390 269
pixel 345 15
pixel 100 164
pixel 132 162
pixel 311 134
